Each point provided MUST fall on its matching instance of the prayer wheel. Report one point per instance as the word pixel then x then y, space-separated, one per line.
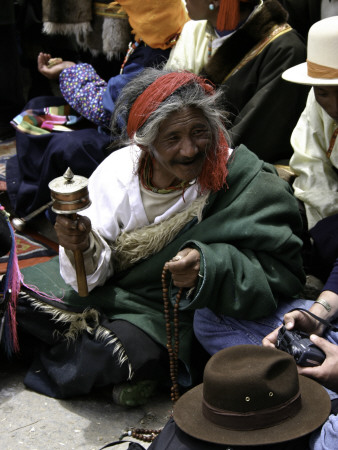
pixel 70 195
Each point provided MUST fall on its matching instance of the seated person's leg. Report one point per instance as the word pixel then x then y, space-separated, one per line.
pixel 216 332
pixel 78 351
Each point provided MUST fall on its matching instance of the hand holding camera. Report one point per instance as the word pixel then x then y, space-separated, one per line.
pixel 298 344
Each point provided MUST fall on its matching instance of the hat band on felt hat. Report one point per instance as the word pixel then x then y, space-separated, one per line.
pixel 252 420
pixel 315 70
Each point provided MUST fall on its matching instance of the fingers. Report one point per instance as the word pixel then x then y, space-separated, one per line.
pixel 327 347
pixel 271 339
pixel 52 72
pixel 184 268
pixel 43 59
pixel 73 234
pixel 290 319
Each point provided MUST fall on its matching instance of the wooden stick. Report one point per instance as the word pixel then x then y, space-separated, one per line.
pixel 82 286
pixel 80 273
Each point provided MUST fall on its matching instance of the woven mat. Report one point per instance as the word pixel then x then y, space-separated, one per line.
pixel 7 150
pixel 32 248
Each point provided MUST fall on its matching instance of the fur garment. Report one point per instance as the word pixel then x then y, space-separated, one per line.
pixel 95 27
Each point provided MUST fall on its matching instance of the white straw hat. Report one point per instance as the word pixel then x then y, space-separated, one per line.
pixel 321 67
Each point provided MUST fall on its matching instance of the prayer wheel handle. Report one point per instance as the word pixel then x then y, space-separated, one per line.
pixel 69 195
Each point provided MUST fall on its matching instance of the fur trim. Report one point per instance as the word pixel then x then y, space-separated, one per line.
pixel 80 29
pixel 109 36
pixel 116 34
pixel 87 321
pixel 233 49
pixel 133 246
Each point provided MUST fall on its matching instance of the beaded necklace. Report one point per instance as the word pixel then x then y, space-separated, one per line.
pixel 131 48
pixel 210 39
pixel 146 174
pixel 332 142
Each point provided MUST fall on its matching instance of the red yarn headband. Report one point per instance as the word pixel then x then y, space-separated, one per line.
pixel 153 96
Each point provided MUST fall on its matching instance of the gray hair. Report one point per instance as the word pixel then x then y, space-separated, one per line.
pixel 191 95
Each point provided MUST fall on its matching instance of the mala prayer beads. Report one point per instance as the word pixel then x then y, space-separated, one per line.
pixel 147 435
pixel 172 344
pixel 142 434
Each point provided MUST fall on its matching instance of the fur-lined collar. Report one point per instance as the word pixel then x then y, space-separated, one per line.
pixel 233 49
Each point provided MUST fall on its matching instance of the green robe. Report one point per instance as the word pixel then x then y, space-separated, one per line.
pixel 250 259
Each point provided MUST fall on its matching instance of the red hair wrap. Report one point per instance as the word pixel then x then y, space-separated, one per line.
pixel 214 171
pixel 153 96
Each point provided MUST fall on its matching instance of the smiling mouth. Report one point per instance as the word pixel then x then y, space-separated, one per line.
pixel 187 163
pixel 190 162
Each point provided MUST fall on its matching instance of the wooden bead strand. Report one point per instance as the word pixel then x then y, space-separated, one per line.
pixel 147 435
pixel 172 342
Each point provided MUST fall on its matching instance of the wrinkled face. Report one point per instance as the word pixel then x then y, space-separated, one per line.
pixel 199 9
pixel 181 147
pixel 327 97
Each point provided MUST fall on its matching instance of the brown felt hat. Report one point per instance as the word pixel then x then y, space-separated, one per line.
pixel 252 395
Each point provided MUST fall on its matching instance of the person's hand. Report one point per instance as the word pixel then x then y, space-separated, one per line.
pixel 73 234
pixel 184 268
pixel 300 320
pixel 297 320
pixel 53 72
pixel 271 339
pixel 327 373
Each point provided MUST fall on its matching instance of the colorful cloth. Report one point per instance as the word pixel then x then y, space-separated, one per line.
pixel 45 120
pixel 82 87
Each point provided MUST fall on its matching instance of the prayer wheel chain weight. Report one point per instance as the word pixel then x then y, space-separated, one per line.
pixel 70 195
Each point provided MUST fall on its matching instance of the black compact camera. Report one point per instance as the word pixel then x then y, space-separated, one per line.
pixel 298 344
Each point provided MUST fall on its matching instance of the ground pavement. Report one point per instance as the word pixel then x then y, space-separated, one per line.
pixel 32 421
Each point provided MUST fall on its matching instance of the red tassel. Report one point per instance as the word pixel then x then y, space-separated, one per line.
pixel 228 15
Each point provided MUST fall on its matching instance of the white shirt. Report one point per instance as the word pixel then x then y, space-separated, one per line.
pixel 317 181
pixel 116 206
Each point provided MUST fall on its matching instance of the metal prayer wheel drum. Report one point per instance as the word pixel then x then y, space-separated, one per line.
pixel 69 193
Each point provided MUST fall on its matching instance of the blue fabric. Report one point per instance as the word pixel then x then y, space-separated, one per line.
pixel 216 332
pixel 326 437
pixel 142 57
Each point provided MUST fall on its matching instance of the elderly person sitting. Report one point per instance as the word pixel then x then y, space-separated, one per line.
pixel 176 209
